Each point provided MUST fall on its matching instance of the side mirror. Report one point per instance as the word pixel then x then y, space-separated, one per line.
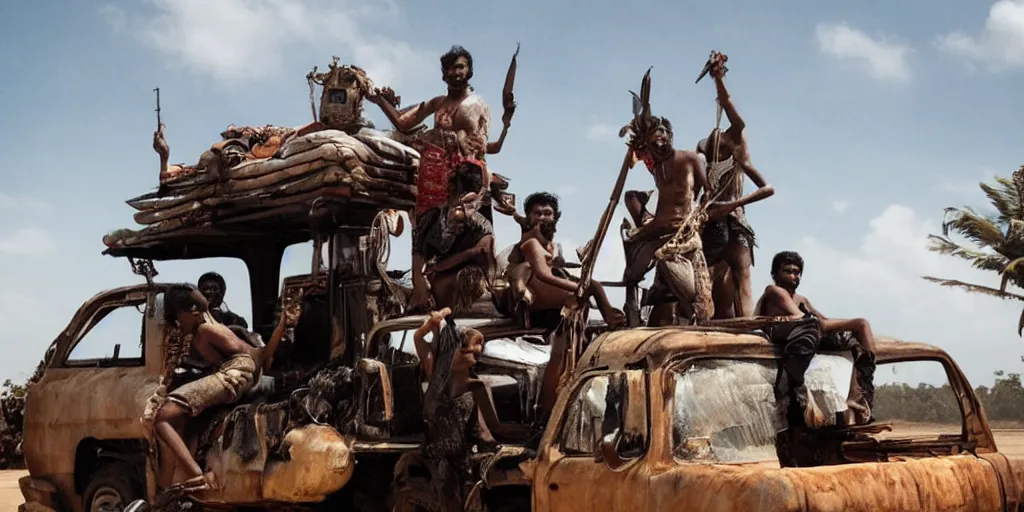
pixel 609 451
pixel 379 401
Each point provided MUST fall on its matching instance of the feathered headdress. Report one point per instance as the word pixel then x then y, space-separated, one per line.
pixel 642 122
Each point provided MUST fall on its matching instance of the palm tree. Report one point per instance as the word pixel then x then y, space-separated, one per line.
pixel 998 240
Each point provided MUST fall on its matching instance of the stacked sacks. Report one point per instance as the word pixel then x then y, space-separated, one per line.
pixel 234 177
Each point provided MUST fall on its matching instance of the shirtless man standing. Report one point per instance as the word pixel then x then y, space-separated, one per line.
pixel 781 300
pixel 679 177
pixel 727 236
pixel 461 123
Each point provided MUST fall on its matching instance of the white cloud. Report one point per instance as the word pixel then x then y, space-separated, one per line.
pixel 27 242
pixel 115 17
pixel 880 279
pixel 24 204
pixel 882 60
pixel 601 132
pixel 231 39
pixel 1000 44
pixel 840 206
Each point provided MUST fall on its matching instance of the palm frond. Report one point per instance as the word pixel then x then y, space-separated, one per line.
pixel 1004 199
pixel 1011 271
pixel 980 260
pixel 972 226
pixel 974 288
pixel 1018 188
pixel 1020 324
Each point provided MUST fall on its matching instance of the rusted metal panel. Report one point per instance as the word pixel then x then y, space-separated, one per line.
pixel 961 483
pixel 616 349
pixel 71 404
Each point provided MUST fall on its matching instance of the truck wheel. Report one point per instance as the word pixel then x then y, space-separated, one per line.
pixel 112 488
pixel 414 495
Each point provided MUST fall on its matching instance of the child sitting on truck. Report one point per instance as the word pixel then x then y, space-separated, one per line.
pixel 781 300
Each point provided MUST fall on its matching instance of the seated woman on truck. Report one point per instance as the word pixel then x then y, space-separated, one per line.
pixel 239 365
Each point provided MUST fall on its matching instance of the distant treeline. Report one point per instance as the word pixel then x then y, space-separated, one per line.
pixel 925 403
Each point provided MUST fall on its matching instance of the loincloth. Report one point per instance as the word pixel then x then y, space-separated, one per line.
pixel 719 234
pixel 235 376
pixel 436 165
pixel 683 277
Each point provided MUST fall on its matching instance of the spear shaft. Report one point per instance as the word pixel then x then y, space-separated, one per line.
pixel 158 122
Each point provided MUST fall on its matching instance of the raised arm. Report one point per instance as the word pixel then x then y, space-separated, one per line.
pixel 736 123
pixel 289 317
pixel 411 117
pixel 494 148
pixel 424 349
pixel 534 254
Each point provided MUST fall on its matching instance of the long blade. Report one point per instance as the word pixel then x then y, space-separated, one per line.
pixel 510 76
pixel 637 104
pixel 704 72
pixel 645 93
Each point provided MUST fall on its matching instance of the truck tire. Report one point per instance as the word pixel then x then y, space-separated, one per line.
pixel 111 488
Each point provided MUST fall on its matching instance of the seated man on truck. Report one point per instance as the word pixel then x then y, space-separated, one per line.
pixel 832 334
pixel 457 242
pixel 239 366
pixel 535 282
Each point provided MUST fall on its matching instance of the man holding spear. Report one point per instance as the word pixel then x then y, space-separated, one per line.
pixel 672 237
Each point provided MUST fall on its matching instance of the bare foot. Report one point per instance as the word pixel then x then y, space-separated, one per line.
pixel 614 318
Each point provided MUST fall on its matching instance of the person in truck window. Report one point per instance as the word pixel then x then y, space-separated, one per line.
pixel 781 300
pixel 213 288
pixel 458 376
pixel 238 366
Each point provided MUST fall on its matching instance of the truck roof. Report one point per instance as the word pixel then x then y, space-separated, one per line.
pixel 233 235
pixel 657 345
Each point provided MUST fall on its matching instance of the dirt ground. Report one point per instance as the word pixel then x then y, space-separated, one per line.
pixel 1010 441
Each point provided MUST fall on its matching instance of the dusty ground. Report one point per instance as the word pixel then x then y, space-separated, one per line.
pixel 1010 441
pixel 10 496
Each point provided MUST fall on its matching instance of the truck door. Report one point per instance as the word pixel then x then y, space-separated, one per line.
pixel 594 458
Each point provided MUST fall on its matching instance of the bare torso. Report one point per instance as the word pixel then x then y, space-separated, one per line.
pixel 769 307
pixel 469 118
pixel 678 180
pixel 215 342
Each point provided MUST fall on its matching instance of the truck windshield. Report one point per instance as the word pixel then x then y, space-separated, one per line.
pixel 725 409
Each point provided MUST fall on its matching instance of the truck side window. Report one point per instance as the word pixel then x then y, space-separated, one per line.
pixel 583 428
pixel 114 331
pixel 610 407
pixel 915 398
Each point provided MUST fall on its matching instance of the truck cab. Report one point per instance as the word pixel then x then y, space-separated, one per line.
pixel 685 418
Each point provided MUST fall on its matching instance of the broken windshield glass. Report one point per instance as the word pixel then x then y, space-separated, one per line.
pixel 725 409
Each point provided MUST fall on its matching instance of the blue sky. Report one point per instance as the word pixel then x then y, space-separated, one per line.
pixel 867 117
